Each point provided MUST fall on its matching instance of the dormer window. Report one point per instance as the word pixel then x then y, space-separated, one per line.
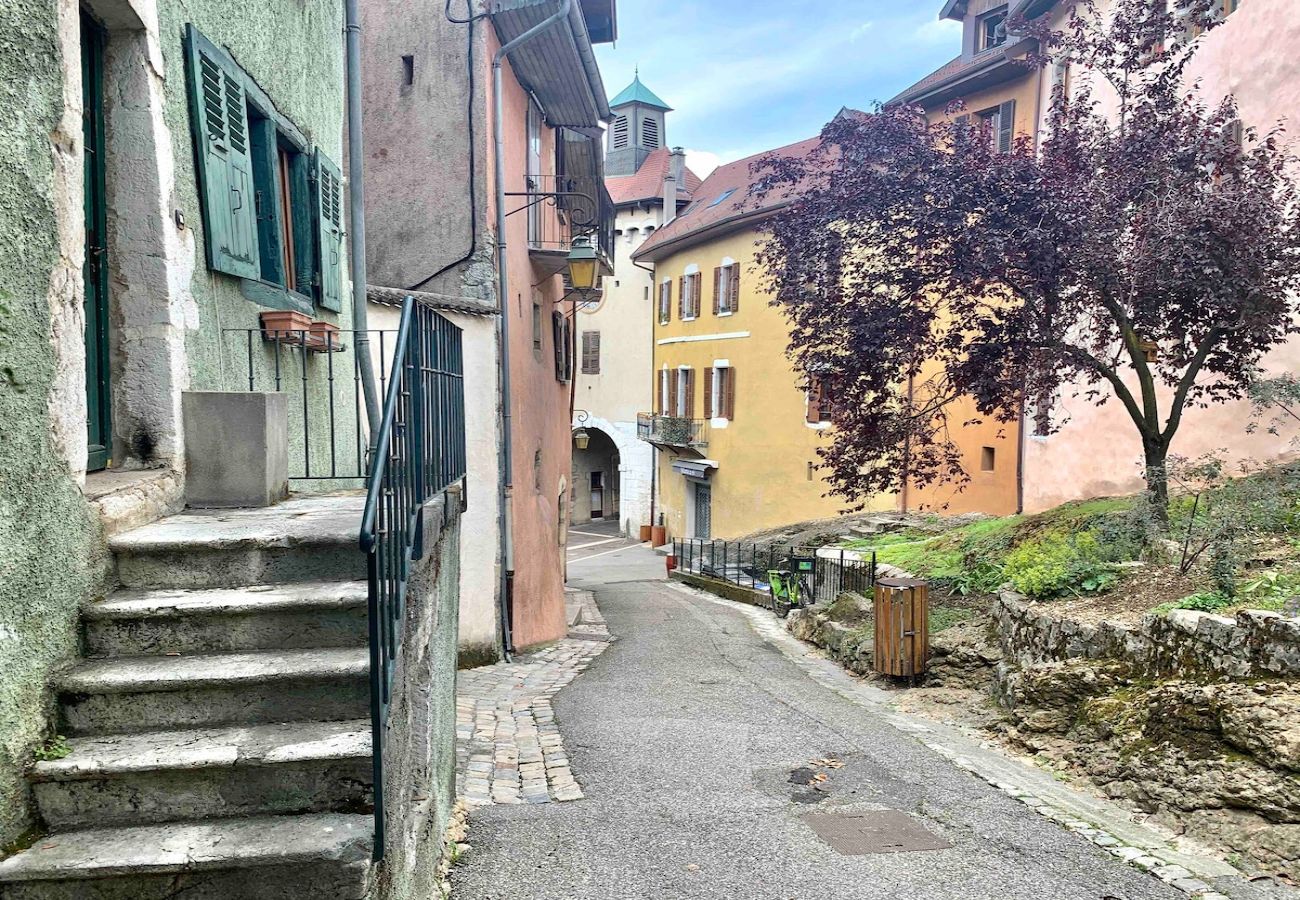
pixel 991 30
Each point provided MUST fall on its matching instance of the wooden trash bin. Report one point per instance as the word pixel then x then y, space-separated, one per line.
pixel 902 611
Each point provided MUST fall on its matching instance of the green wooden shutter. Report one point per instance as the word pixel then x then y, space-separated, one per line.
pixel 219 112
pixel 329 231
pixel 1006 126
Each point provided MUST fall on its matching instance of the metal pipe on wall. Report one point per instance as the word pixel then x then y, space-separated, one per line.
pixel 357 217
pixel 506 499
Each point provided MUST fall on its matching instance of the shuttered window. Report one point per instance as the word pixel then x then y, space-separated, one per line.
pixel 689 303
pixel 819 401
pixel 591 353
pixel 720 393
pixel 710 387
pixel 728 385
pixel 272 206
pixel 665 302
pixel 560 333
pixel 1006 126
pixel 726 289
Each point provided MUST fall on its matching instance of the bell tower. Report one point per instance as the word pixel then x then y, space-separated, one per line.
pixel 636 130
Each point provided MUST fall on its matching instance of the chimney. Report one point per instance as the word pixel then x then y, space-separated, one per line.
pixel 676 177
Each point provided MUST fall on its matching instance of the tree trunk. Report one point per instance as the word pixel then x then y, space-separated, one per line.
pixel 1157 478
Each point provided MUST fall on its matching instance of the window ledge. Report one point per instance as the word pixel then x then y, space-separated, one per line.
pixel 273 296
pixel 817 426
pixel 719 422
pixel 725 313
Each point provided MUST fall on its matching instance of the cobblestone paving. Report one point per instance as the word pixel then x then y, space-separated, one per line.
pixel 508 745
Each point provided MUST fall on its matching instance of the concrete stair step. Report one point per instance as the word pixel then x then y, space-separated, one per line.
pixel 299 540
pixel 324 857
pixel 259 617
pixel 167 776
pixel 157 693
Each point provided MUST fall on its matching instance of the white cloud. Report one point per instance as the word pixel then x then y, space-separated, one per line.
pixel 940 31
pixel 860 31
pixel 702 162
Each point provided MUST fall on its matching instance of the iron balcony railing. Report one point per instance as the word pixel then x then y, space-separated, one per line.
pixel 835 570
pixel 419 451
pixel 672 431
pixel 563 207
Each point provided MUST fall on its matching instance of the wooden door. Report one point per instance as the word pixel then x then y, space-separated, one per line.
pixel 95 266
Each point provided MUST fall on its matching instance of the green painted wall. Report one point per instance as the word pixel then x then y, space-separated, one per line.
pixel 48 538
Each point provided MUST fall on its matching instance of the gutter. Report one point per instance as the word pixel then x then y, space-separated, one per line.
pixel 505 499
pixel 729 223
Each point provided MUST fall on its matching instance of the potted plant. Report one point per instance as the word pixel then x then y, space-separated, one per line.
pixel 287 326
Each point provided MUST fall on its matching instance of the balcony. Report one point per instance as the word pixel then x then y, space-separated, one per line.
pixel 673 432
pixel 561 208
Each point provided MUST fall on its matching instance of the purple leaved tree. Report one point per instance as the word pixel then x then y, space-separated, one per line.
pixel 1148 257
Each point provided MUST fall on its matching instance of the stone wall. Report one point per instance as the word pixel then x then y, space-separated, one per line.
pixel 420 741
pixel 1254 644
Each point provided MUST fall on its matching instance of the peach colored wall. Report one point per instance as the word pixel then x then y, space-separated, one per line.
pixel 540 403
pixel 1254 55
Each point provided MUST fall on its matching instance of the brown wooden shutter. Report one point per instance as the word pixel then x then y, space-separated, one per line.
pixel 697 295
pixel 591 353
pixel 733 286
pixel 665 302
pixel 717 290
pixel 729 392
pixel 708 392
pixel 1006 126
pixel 672 392
pixel 681 299
pixel 814 401
pixel 690 393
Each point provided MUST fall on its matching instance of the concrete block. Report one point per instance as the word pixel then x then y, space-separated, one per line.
pixel 236 448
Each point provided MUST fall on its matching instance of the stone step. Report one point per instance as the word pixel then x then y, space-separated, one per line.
pixel 265 617
pixel 299 540
pixel 157 693
pixel 169 776
pixel 324 857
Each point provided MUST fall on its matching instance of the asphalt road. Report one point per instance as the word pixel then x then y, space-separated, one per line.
pixel 685 734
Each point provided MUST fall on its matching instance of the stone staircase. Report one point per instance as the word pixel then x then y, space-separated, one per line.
pixel 219 723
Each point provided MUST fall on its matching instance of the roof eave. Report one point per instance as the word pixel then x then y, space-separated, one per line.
pixel 998 66
pixel 735 222
pixel 558 65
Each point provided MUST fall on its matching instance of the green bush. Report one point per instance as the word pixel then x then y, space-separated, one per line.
pixel 1206 601
pixel 1058 564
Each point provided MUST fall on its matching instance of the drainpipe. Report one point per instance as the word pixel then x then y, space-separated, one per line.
pixel 505 516
pixel 357 218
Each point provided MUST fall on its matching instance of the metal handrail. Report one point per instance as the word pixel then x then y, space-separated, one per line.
pixel 418 451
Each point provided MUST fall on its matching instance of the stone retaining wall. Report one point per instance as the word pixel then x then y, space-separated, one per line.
pixel 1183 643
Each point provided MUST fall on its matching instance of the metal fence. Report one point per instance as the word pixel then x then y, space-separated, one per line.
pixel 419 452
pixel 672 431
pixel 835 569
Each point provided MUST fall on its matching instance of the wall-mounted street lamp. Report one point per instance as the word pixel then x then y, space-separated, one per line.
pixel 581 437
pixel 582 264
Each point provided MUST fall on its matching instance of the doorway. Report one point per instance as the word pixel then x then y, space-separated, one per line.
pixel 95 266
pixel 703 511
pixel 597 495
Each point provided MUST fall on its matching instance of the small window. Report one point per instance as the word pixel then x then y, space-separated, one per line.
pixel 537 471
pixel 537 329
pixel 618 135
pixel 721 197
pixel 591 353
pixel 991 30
pixel 988 459
pixel 408 70
pixel 650 133
pixel 665 302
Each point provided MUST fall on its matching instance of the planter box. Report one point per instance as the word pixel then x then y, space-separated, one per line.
pixel 324 338
pixel 286 326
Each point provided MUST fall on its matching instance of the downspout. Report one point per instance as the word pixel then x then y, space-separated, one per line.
pixel 505 516
pixel 357 218
pixel 654 388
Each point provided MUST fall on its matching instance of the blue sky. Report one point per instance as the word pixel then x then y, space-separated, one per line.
pixel 745 76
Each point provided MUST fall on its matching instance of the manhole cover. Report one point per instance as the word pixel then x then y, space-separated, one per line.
pixel 878 831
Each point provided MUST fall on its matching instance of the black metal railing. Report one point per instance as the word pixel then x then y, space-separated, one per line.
pixel 672 431
pixel 563 207
pixel 835 570
pixel 321 373
pixel 419 451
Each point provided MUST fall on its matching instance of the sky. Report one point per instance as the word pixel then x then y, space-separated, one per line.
pixel 745 76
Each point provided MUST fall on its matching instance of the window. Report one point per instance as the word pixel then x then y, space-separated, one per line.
pixel 988 459
pixel 720 393
pixel 688 304
pixel 408 70
pixel 562 335
pixel 819 401
pixel 684 404
pixel 650 133
pixel 591 353
pixel 665 302
pixel 537 329
pixel 999 122
pixel 537 471
pixel 665 391
pixel 726 289
pixel 272 206
pixel 991 30
pixel 721 197
pixel 618 135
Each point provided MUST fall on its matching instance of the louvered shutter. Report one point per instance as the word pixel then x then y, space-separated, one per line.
pixel 591 352
pixel 665 302
pixel 733 287
pixel 690 394
pixel 329 231
pixel 219 111
pixel 1006 126
pixel 681 297
pixel 717 290
pixel 729 392
pixel 672 391
pixel 697 293
pixel 708 392
pixel 659 394
pixel 814 401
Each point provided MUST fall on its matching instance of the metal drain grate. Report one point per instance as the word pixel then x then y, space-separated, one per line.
pixel 877 831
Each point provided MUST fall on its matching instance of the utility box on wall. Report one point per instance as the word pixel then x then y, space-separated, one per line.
pixel 236 448
pixel 902 612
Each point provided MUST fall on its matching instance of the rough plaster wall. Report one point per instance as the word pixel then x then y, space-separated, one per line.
pixel 420 742
pixel 294 50
pixel 49 549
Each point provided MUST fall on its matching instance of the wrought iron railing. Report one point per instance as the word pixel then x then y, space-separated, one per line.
pixel 672 431
pixel 562 207
pixel 835 570
pixel 419 451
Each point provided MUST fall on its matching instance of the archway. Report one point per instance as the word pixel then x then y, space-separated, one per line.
pixel 596 480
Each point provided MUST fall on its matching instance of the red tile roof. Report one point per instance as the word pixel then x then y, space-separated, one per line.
pixel 733 185
pixel 648 182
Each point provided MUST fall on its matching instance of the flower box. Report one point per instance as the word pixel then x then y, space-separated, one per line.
pixel 324 338
pixel 286 326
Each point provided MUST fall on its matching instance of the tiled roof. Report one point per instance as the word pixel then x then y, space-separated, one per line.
pixel 726 195
pixel 648 182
